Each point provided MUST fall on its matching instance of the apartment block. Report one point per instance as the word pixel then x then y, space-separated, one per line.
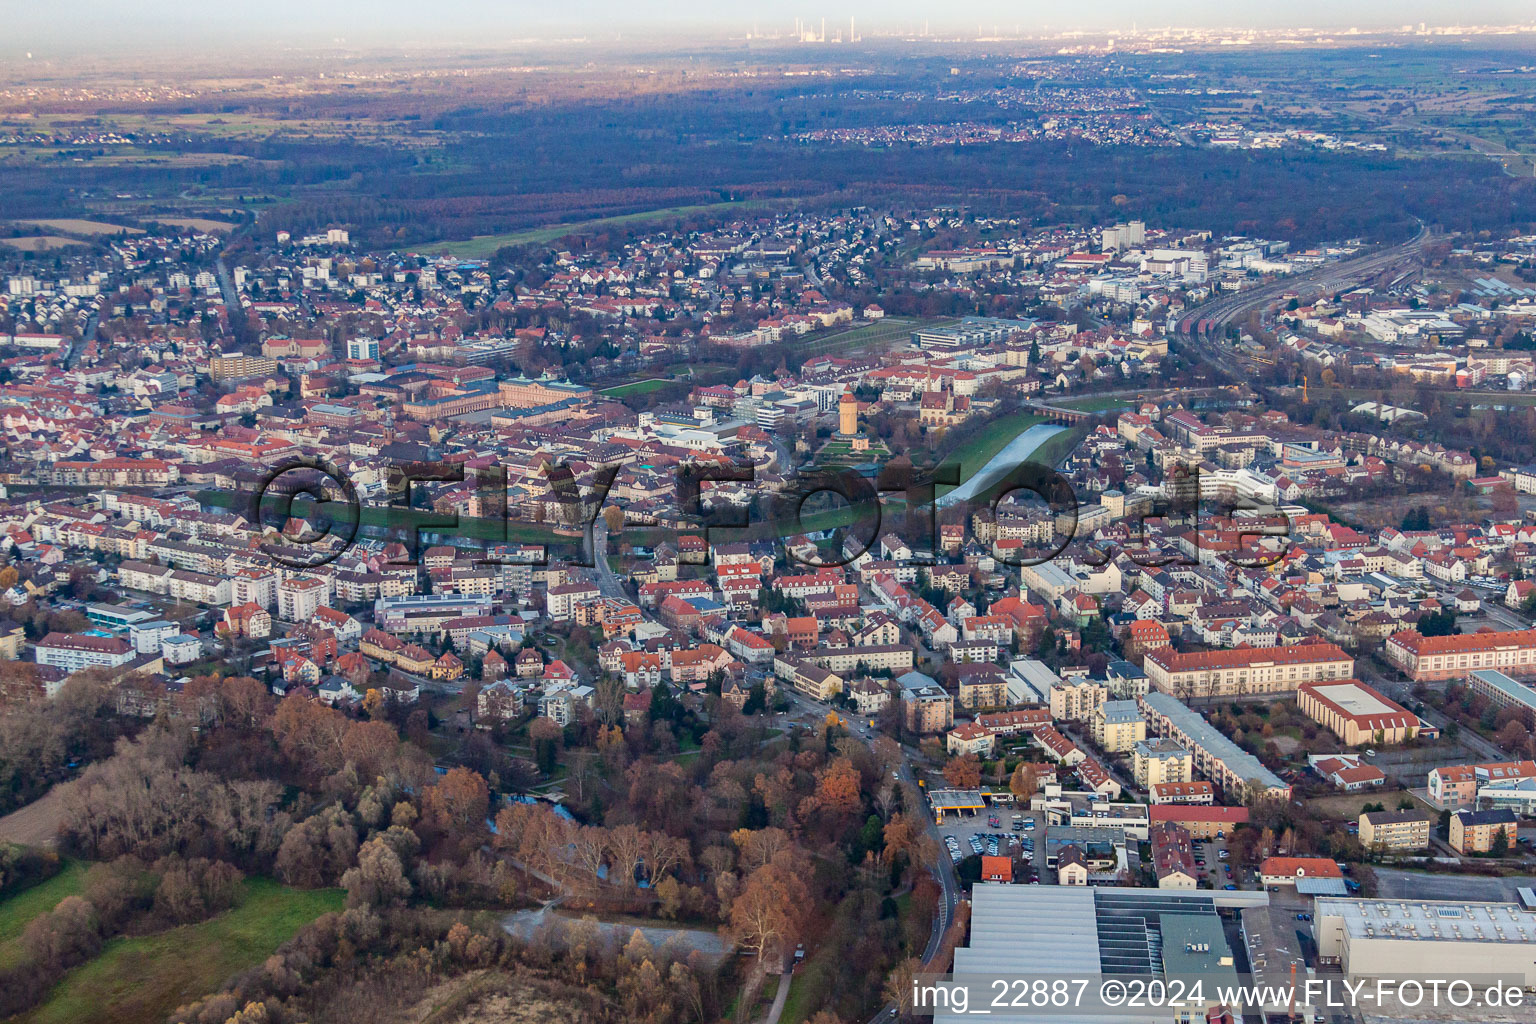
pixel 1245 671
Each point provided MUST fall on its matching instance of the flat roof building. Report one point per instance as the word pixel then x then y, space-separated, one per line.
pixel 1457 785
pixel 1424 939
pixel 1225 763
pixel 1081 932
pixel 1504 692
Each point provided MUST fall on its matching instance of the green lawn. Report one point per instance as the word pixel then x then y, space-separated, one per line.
pixel 140 980
pixel 977 450
pixel 1059 446
pixel 639 387
pixel 17 910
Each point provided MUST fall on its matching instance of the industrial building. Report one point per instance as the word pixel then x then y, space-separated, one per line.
pixel 1423 939
pixel 1082 932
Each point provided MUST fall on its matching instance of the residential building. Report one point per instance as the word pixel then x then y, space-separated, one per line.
pixel 1118 726
pixel 1502 692
pixel 1155 762
pixel 1203 821
pixel 926 706
pixel 1173 856
pixel 1198 792
pixel 970 738
pixel 1077 700
pixel 1478 831
pixel 1429 658
pixel 1238 773
pixel 1245 671
pixel 1457 785
pixel 1289 871
pixel 299 597
pixel 72 652
pixel 1395 831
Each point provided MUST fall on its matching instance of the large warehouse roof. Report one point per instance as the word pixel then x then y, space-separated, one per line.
pixel 1072 931
pixel 1419 919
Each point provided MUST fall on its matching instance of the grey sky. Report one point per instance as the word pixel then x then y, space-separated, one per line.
pixel 65 26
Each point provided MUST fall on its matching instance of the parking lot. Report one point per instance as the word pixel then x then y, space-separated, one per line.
pixel 963 828
pixel 1215 871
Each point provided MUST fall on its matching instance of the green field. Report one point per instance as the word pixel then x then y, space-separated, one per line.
pixel 140 980
pixel 481 246
pixel 977 450
pixel 1059 446
pixel 639 387
pixel 17 910
pixel 880 332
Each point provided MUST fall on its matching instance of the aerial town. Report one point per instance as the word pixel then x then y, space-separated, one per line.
pixel 775 611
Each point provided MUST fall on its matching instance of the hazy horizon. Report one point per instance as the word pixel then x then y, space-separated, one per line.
pixel 78 27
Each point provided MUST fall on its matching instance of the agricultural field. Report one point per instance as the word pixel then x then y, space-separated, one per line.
pixel 40 243
pixel 198 223
pixel 80 226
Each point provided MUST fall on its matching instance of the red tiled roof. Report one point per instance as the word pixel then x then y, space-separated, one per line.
pixel 1416 643
pixel 1187 812
pixel 1297 867
pixel 1241 657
